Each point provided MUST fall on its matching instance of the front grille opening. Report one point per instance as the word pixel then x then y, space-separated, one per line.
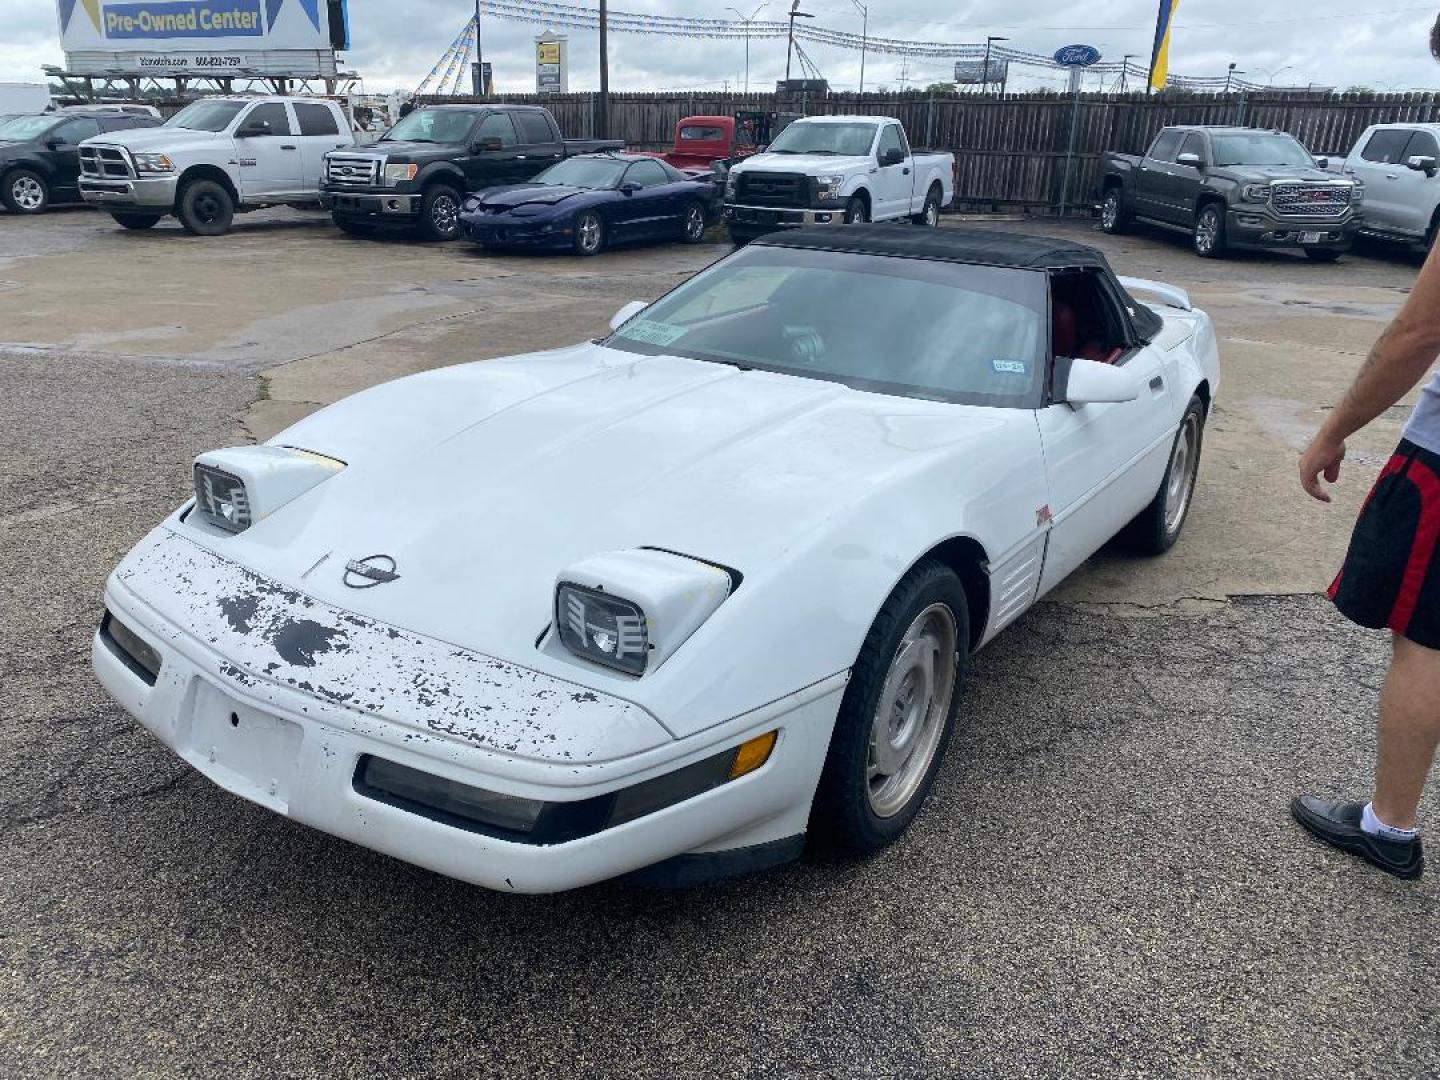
pixel 135 654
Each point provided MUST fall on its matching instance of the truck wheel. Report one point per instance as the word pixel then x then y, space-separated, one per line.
pixel 440 213
pixel 856 211
pixel 351 227
pixel 136 221
pixel 897 713
pixel 692 224
pixel 930 214
pixel 1114 218
pixel 1157 527
pixel 1210 231
pixel 25 192
pixel 589 233
pixel 206 208
pixel 1323 255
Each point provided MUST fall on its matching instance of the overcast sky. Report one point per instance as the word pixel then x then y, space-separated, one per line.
pixel 1368 42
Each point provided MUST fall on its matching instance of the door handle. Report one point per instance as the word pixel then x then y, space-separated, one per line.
pixel 1392 176
pixel 519 157
pixel 287 148
pixel 905 171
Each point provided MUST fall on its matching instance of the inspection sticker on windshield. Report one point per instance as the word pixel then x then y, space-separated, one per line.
pixel 654 333
pixel 1010 367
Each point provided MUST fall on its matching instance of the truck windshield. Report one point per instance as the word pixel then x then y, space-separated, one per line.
pixel 583 172
pixel 448 126
pixel 206 115
pixel 915 328
pixel 1260 149
pixel 24 128
pixel 849 140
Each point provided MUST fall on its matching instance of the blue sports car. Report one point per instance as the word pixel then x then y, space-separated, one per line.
pixel 592 200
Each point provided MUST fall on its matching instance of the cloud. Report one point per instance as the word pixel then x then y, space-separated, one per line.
pixel 396 45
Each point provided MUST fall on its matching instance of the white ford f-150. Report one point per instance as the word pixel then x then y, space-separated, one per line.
pixel 832 170
pixel 214 158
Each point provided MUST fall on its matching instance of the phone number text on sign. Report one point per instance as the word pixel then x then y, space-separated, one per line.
pixel 192 62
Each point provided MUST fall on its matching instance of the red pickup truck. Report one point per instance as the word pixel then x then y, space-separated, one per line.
pixel 700 141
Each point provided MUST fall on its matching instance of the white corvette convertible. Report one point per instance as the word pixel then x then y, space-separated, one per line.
pixel 665 601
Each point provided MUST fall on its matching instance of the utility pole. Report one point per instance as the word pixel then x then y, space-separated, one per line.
pixel 602 117
pixel 864 38
pixel 747 22
pixel 795 13
pixel 1230 74
pixel 989 41
pixel 1125 69
pixel 479 72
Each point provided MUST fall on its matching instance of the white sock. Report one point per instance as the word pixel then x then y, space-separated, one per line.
pixel 1371 824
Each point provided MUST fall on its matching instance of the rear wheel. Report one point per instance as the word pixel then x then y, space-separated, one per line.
pixel 440 213
pixel 692 224
pixel 897 713
pixel 1210 231
pixel 589 233
pixel 857 211
pixel 930 213
pixel 1114 218
pixel 136 221
pixel 1323 255
pixel 206 208
pixel 25 192
pixel 1158 526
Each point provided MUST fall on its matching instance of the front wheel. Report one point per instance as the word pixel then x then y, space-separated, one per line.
pixel 857 212
pixel 1158 526
pixel 206 208
pixel 136 221
pixel 589 233
pixel 1114 218
pixel 692 224
pixel 929 215
pixel 1323 255
pixel 1210 231
pixel 25 192
pixel 897 713
pixel 440 213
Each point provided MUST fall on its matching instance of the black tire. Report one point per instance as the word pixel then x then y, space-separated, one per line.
pixel 1153 532
pixel 589 233
pixel 844 812
pixel 137 221
pixel 439 214
pixel 1208 238
pixel 857 211
pixel 350 227
pixel 1323 255
pixel 692 223
pixel 24 191
pixel 1115 218
pixel 930 213
pixel 205 208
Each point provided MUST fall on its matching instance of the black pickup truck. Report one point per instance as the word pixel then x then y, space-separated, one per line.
pixel 420 170
pixel 1232 187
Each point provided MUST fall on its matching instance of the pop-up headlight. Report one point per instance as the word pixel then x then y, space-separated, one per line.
pixel 238 487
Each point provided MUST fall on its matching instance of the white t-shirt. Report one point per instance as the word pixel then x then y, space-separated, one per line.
pixel 1423 428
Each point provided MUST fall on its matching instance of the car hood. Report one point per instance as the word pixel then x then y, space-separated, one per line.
pixel 533 194
pixel 1270 173
pixel 168 140
pixel 424 151
pixel 483 482
pixel 809 164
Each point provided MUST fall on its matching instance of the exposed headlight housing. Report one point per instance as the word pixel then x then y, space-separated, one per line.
pixel 398 174
pixel 153 163
pixel 238 487
pixel 828 187
pixel 1256 192
pixel 602 628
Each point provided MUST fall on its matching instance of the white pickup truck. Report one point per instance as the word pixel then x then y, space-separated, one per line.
pixel 1399 165
pixel 833 170
pixel 213 159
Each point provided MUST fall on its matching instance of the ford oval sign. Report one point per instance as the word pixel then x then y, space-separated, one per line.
pixel 1077 56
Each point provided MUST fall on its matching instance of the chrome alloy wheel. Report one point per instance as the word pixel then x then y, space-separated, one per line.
pixel 910 715
pixel 1184 465
pixel 1110 212
pixel 28 193
pixel 445 215
pixel 1207 231
pixel 694 223
pixel 588 229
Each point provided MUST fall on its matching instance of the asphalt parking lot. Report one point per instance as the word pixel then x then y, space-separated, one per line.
pixel 1105 881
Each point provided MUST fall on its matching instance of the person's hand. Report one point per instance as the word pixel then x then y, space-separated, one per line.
pixel 1321 458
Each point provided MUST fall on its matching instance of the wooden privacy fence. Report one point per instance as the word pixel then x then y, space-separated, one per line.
pixel 1012 152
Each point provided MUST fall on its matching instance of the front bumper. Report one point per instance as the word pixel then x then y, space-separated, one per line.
pixel 389 205
pixel 769 218
pixel 153 193
pixel 291 739
pixel 500 231
pixel 1260 228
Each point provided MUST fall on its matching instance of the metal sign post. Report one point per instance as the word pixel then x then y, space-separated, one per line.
pixel 1077 58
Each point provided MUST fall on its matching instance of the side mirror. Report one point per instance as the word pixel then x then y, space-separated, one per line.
pixel 629 188
pixel 55 143
pixel 1191 160
pixel 892 157
pixel 488 145
pixel 254 129
pixel 1422 163
pixel 1093 383
pixel 626 313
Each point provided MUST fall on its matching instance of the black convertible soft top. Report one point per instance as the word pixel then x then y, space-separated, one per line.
pixel 966 244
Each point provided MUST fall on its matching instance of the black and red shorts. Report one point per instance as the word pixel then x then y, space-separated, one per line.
pixel 1391 577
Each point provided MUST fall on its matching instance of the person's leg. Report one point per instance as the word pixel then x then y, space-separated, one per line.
pixel 1409 732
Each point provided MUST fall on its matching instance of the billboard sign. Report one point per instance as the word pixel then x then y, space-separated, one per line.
pixel 552 75
pixel 175 37
pixel 973 73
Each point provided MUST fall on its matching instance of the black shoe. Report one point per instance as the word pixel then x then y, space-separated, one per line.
pixel 1338 824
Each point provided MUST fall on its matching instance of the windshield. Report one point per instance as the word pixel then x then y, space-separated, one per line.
pixel 1260 149
pixel 206 115
pixel 697 134
pixel 584 172
pixel 909 327
pixel 28 127
pixel 849 140
pixel 433 125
